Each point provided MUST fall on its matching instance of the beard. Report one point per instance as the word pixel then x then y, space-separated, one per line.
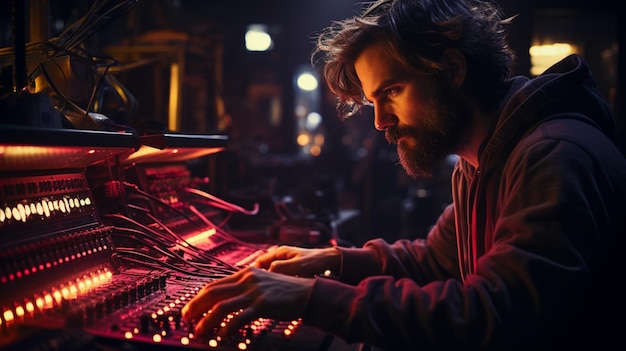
pixel 422 148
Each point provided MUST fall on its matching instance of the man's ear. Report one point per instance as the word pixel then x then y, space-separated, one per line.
pixel 456 67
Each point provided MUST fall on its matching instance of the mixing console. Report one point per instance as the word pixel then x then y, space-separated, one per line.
pixel 94 259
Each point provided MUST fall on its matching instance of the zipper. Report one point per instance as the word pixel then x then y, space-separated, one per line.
pixel 469 253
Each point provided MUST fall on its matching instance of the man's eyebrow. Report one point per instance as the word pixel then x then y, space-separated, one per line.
pixel 381 87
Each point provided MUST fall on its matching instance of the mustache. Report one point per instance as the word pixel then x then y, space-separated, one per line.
pixel 394 133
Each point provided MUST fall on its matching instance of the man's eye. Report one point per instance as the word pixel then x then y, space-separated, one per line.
pixel 391 92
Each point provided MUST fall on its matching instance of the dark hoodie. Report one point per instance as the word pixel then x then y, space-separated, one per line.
pixel 524 258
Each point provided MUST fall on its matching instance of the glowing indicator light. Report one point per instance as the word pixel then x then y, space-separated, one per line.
pixel 47 301
pixel 287 332
pixel 40 303
pixel 157 338
pixel 30 308
pixel 57 296
pixel 128 335
pixel 19 311
pixel 184 340
pixel 8 315
pixel 242 346
pixel 213 343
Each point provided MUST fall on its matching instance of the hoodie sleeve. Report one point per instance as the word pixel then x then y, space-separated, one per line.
pixel 422 260
pixel 378 284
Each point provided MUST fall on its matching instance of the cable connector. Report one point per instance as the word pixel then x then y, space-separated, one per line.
pixel 113 189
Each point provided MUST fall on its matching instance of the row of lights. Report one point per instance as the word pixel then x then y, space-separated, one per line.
pixel 22 211
pixel 48 299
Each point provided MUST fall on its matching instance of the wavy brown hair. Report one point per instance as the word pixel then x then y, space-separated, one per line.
pixel 417 33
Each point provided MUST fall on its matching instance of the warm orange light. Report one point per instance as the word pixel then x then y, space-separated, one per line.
pixel 40 303
pixel 157 338
pixel 8 315
pixel 30 308
pixel 19 311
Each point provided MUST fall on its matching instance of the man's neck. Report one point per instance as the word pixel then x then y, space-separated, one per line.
pixel 476 134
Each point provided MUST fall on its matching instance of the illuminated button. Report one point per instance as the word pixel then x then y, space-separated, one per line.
pixel 8 315
pixel 19 311
pixel 30 307
pixel 46 209
pixel 39 208
pixel 27 210
pixel 55 205
pixel 2 216
pixel 62 206
pixel 33 208
pixel 67 204
pixel 22 211
pixel 7 212
pixel 87 201
pixel 16 214
pixel 76 202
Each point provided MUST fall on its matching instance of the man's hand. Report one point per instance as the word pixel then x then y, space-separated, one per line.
pixel 300 262
pixel 254 292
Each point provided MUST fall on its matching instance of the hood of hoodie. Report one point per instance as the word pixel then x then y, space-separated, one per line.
pixel 565 90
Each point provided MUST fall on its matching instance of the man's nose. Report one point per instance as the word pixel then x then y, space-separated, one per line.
pixel 383 118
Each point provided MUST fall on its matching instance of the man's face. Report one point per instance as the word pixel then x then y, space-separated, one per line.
pixel 416 113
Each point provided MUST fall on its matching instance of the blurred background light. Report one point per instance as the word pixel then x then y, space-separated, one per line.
pixel 307 81
pixel 258 38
